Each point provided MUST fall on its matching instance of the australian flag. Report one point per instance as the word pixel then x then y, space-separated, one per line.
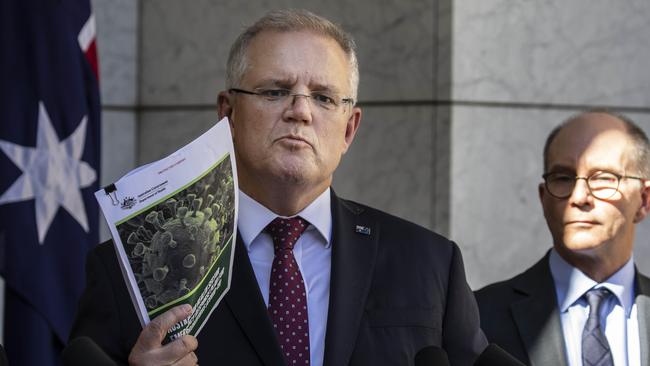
pixel 49 163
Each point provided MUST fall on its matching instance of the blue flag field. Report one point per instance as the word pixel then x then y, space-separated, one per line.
pixel 49 169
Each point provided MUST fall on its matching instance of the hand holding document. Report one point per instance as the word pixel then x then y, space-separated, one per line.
pixel 173 224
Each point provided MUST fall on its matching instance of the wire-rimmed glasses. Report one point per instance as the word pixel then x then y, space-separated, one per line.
pixel 601 184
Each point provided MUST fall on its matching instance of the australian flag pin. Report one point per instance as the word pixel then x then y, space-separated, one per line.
pixel 362 230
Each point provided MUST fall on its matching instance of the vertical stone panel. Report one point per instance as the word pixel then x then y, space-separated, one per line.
pixel 117 27
pixel 517 70
pixel 163 132
pixel 184 50
pixel 577 52
pixel 185 46
pixel 496 170
pixel 389 165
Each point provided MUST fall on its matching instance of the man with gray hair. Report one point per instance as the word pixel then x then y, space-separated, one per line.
pixel 584 303
pixel 317 280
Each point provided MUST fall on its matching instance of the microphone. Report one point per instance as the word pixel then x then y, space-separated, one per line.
pixel 431 356
pixel 84 351
pixel 494 355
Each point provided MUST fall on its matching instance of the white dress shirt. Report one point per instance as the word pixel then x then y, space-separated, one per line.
pixel 618 315
pixel 313 253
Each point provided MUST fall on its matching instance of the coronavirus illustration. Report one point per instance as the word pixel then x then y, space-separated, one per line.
pixel 173 244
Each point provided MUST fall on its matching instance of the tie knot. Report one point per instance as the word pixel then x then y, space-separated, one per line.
pixel 286 231
pixel 595 298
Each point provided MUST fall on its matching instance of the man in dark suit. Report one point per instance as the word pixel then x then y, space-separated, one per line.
pixel 373 289
pixel 584 303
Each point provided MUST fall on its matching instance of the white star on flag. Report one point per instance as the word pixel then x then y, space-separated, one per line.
pixel 53 173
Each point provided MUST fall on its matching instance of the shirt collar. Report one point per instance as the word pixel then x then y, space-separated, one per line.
pixel 254 217
pixel 571 283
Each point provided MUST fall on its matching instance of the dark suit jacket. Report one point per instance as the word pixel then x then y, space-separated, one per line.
pixel 392 293
pixel 521 315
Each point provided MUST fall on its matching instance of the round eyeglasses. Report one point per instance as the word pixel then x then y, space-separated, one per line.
pixel 281 98
pixel 601 184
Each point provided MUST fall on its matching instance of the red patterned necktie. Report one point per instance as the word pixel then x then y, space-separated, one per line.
pixel 287 295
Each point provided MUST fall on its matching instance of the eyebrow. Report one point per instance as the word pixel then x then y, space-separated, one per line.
pixel 280 83
pixel 324 87
pixel 572 170
pixel 289 82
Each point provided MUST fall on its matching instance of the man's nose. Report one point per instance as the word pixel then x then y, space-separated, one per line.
pixel 581 193
pixel 300 108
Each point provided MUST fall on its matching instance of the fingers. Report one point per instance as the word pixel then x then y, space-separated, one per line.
pixel 148 349
pixel 177 353
pixel 189 360
pixel 153 334
pixel 182 346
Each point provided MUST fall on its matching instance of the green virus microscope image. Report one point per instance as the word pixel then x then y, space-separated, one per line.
pixel 172 245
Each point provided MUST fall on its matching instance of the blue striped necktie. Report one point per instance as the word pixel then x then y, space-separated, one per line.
pixel 595 348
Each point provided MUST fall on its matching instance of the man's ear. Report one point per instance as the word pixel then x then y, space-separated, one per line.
pixel 224 104
pixel 351 127
pixel 225 109
pixel 644 208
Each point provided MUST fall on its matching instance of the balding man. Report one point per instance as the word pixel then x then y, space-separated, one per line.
pixel 584 303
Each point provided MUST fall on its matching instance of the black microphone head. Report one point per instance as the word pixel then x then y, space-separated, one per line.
pixel 84 351
pixel 431 356
pixel 494 355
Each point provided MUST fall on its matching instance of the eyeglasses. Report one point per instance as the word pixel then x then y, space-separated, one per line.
pixel 601 184
pixel 281 98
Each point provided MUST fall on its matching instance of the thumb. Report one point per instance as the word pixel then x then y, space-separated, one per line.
pixel 153 334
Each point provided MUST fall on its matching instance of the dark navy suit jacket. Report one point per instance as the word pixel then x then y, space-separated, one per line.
pixel 522 316
pixel 393 292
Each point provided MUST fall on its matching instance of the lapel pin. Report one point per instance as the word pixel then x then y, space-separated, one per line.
pixel 362 230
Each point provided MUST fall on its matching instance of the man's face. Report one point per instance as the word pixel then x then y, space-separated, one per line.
pixel 582 225
pixel 299 143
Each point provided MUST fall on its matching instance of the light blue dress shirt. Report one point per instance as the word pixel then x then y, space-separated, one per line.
pixel 313 253
pixel 618 315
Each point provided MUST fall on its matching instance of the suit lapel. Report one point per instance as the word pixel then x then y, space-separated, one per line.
pixel 643 314
pixel 246 303
pixel 537 317
pixel 353 260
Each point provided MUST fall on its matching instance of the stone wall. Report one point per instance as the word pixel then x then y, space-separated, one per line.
pixel 457 98
pixel 519 68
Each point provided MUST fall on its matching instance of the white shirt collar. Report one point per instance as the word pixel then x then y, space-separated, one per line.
pixel 254 217
pixel 571 283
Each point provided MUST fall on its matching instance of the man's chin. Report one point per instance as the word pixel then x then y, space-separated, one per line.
pixel 582 246
pixel 292 173
pixel 297 168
